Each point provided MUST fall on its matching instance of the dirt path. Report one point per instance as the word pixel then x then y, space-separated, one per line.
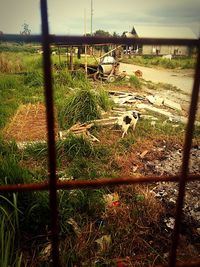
pixel 182 79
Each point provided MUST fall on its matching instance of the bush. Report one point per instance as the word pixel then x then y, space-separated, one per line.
pixel 80 106
pixel 104 101
pixel 135 81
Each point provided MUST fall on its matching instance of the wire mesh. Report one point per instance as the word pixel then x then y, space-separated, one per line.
pixel 52 185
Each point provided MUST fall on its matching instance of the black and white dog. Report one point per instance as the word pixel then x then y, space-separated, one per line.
pixel 130 118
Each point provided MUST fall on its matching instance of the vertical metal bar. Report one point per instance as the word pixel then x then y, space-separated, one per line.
pixel 185 162
pixel 51 135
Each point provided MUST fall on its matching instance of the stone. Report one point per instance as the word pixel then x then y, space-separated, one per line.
pixel 173 105
pixel 158 100
pixel 151 99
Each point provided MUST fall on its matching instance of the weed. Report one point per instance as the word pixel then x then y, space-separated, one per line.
pixel 8 65
pixel 9 232
pixel 127 142
pixel 104 101
pixel 34 78
pixel 80 106
pixel 135 81
pixel 183 63
pixel 82 168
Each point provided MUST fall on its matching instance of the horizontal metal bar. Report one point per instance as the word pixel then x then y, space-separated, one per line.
pixel 192 263
pixel 94 183
pixel 82 40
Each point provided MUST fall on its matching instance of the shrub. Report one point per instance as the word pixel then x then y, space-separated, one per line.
pixel 135 81
pixel 104 101
pixel 80 106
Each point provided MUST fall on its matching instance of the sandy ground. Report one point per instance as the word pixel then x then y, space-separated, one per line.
pixel 182 79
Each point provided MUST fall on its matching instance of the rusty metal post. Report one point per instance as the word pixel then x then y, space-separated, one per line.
pixel 51 135
pixel 185 162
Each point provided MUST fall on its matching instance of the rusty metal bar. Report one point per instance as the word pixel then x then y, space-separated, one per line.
pixel 51 135
pixel 185 162
pixel 192 263
pixel 81 40
pixel 68 185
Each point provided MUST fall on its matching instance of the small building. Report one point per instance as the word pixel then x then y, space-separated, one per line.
pixel 162 32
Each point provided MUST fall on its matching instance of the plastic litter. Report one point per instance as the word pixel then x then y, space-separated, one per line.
pixel 112 200
pixel 104 243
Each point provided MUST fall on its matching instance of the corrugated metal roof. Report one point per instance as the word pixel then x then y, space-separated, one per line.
pixel 164 32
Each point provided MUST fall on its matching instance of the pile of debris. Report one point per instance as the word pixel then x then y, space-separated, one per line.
pixel 152 103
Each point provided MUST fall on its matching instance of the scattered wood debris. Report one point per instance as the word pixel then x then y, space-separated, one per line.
pixel 79 128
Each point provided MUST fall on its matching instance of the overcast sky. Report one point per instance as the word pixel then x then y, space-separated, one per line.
pixel 67 16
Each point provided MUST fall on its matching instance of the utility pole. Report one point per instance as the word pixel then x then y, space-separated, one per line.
pixel 91 17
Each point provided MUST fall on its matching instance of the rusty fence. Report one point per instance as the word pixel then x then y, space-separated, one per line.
pixel 53 185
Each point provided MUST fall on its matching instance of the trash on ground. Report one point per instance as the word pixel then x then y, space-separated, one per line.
pixel 104 243
pixel 112 199
pixel 75 226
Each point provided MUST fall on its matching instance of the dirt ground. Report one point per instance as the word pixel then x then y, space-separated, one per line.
pixel 182 79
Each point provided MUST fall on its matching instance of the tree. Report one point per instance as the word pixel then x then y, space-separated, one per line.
pixel 115 34
pixel 102 33
pixel 26 30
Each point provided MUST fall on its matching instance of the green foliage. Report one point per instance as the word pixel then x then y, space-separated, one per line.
pixel 16 47
pixel 79 204
pixel 34 78
pixel 9 227
pixel 102 33
pixel 104 101
pixel 82 168
pixel 75 146
pixel 135 81
pixel 151 61
pixel 80 106
pixel 9 82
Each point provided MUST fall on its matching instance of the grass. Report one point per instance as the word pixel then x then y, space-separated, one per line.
pixel 149 61
pixel 78 158
pixel 9 233
pixel 134 81
pixel 80 106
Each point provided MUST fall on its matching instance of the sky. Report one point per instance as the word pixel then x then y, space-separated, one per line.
pixel 67 16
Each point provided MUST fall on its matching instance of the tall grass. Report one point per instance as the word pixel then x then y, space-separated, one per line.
pixel 135 81
pixel 80 106
pixel 8 65
pixel 150 61
pixel 9 231
pixel 104 100
pixel 34 78
pixel 9 82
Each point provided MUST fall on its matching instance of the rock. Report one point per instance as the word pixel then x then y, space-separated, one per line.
pixel 158 100
pixel 151 99
pixel 170 222
pixel 173 105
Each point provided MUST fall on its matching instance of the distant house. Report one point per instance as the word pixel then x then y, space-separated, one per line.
pixel 161 32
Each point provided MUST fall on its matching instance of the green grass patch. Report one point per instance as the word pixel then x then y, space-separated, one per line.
pixel 80 106
pixel 134 81
pixel 152 61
